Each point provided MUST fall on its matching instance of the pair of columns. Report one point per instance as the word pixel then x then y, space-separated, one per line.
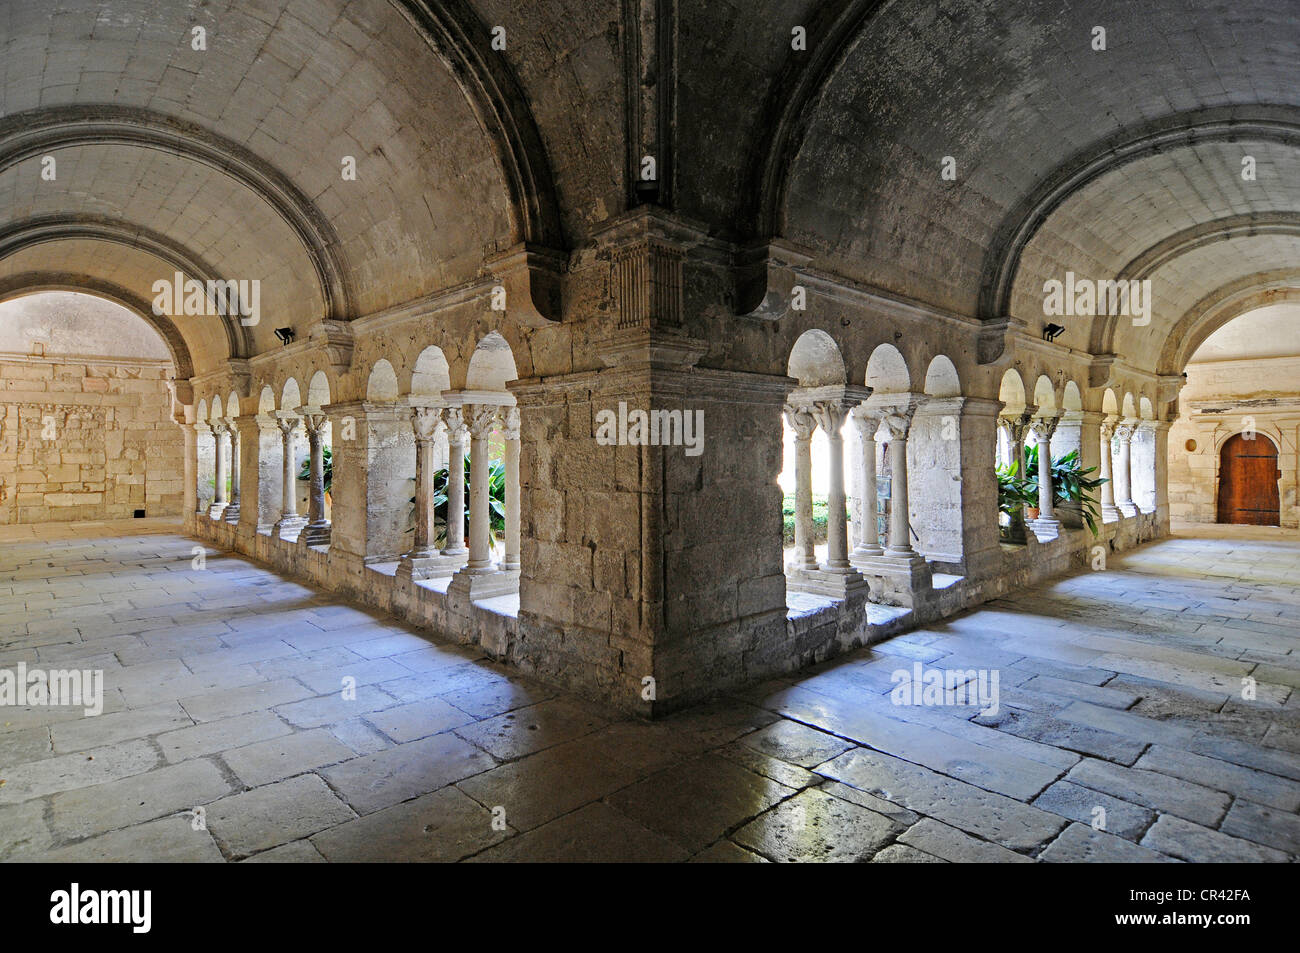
pixel 898 541
pixel 804 421
pixel 804 418
pixel 474 422
pixel 1117 492
pixel 1043 428
pixel 314 528
pixel 225 436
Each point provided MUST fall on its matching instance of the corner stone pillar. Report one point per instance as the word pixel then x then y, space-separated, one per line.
pixel 260 446
pixel 1160 436
pixel 651 571
pixel 980 547
pixel 205 469
pixel 191 504
pixel 373 462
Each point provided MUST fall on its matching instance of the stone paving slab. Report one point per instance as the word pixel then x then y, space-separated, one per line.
pixel 224 689
pixel 275 814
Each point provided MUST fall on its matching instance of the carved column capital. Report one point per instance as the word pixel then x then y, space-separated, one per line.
pixel 454 418
pixel 480 419
pixel 866 420
pixel 899 425
pixel 287 424
pixel 510 422
pixel 830 415
pixel 1044 427
pixel 425 422
pixel 219 428
pixel 315 424
pixel 803 423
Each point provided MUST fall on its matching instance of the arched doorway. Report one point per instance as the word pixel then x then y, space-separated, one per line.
pixel 1248 476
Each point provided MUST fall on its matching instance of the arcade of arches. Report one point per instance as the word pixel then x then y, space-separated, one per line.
pixel 530 348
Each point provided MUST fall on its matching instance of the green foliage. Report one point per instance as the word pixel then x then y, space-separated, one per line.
pixel 1013 493
pixel 496 500
pixel 821 517
pixel 327 465
pixel 1071 485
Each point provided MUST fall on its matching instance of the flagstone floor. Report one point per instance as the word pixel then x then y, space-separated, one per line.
pixel 1121 731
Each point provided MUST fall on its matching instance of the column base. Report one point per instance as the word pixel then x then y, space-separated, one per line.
pixel 1109 514
pixel 288 524
pixel 899 579
pixel 315 534
pixel 232 512
pixel 216 510
pixel 835 583
pixel 433 566
pixel 484 584
pixel 1045 528
pixel 1127 509
pixel 860 556
pixel 800 564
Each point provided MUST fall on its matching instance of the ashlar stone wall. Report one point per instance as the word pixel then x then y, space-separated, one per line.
pixel 85 440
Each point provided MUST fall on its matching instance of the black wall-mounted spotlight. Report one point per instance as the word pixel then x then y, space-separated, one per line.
pixel 285 335
pixel 1052 331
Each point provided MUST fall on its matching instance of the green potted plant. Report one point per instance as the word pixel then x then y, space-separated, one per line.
pixel 496 501
pixel 1073 489
pixel 327 471
pixel 1012 500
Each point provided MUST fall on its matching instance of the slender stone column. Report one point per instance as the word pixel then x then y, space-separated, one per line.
pixel 289 518
pixel 1006 442
pixel 510 429
pixel 424 422
pixel 1109 513
pixel 830 417
pixel 317 530
pixel 899 542
pixel 1123 469
pixel 804 425
pixel 868 533
pixel 456 433
pixel 480 420
pixel 236 469
pixel 417 563
pixel 220 435
pixel 1043 428
pixel 1019 429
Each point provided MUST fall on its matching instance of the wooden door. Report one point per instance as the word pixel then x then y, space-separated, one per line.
pixel 1248 476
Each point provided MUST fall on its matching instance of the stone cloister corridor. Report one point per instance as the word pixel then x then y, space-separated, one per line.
pixel 649 430
pixel 1120 691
